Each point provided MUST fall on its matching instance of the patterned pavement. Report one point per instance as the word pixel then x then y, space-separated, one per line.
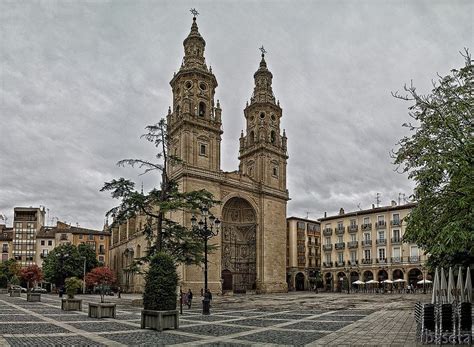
pixel 44 324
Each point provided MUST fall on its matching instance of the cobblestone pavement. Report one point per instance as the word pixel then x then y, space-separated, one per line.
pixel 296 319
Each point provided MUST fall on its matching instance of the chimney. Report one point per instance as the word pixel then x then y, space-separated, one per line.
pixel 394 203
pixel 341 211
pixel 325 214
pixel 373 205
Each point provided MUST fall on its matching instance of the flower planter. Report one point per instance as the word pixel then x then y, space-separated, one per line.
pixel 160 320
pixel 33 297
pixel 71 304
pixel 102 310
pixel 15 293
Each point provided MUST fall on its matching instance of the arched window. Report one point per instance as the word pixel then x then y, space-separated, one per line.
pixel 202 109
pixel 273 137
pixel 252 137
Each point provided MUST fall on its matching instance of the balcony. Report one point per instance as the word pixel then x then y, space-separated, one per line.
pixel 366 243
pixel 352 229
pixel 327 264
pixel 396 222
pixel 396 240
pixel 366 261
pixel 367 226
pixel 339 231
pixel 381 225
pixel 352 262
pixel 340 245
pixel 102 251
pixel 381 242
pixel 5 250
pixel 63 237
pixel 327 231
pixel 381 261
pixel 414 259
pixel 396 260
pixel 327 247
pixel 340 263
pixel 353 244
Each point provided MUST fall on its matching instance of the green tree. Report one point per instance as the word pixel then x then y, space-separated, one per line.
pixel 86 251
pixel 438 156
pixel 160 284
pixel 8 269
pixel 67 261
pixel 166 235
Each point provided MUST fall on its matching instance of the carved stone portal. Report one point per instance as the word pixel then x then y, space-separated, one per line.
pixel 239 229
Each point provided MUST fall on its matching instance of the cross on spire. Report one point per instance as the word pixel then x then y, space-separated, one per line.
pixel 194 12
pixel 262 49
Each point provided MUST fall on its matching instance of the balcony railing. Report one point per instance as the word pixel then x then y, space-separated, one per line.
pixel 366 261
pixel 327 264
pixel 381 261
pixel 396 222
pixel 5 250
pixel 352 262
pixel 381 225
pixel 414 259
pixel 396 260
pixel 381 242
pixel 396 240
pixel 366 243
pixel 352 244
pixel 102 251
pixel 340 263
pixel 367 226
pixel 339 231
pixel 63 237
pixel 352 228
pixel 340 245
pixel 327 231
pixel 327 247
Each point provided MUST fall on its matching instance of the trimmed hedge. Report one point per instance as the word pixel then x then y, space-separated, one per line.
pixel 161 282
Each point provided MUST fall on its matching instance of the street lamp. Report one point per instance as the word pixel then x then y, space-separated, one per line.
pixel 207 227
pixel 84 276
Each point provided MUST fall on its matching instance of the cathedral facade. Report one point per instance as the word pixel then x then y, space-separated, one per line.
pixel 251 246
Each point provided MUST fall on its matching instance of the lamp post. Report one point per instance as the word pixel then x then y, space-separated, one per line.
pixel 207 227
pixel 84 276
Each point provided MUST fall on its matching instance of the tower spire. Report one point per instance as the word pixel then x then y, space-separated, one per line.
pixel 194 45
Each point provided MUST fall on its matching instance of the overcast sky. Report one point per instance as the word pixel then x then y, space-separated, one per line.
pixel 80 81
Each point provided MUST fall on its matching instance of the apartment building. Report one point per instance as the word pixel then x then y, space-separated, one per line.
pixel 6 242
pixel 368 245
pixel 98 240
pixel 303 260
pixel 27 221
pixel 45 243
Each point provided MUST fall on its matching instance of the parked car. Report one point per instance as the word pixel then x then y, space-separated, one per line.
pixel 39 290
pixel 12 288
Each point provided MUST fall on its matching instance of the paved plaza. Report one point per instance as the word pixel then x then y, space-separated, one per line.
pixel 285 319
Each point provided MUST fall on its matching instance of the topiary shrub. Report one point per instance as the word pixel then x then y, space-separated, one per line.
pixel 161 282
pixel 72 285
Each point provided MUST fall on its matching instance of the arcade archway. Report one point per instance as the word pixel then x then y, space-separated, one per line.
pixel 239 229
pixel 299 281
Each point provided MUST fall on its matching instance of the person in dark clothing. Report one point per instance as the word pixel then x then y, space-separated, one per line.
pixel 190 298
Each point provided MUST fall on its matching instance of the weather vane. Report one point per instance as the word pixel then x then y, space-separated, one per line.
pixel 262 50
pixel 194 12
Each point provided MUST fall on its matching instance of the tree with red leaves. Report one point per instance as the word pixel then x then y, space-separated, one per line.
pixel 30 275
pixel 100 277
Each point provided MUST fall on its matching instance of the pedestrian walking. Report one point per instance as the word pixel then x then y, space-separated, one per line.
pixel 119 291
pixel 189 298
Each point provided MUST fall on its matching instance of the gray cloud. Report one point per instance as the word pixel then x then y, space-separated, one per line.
pixel 79 82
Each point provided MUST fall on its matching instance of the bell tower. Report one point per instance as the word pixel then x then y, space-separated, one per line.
pixel 194 121
pixel 263 149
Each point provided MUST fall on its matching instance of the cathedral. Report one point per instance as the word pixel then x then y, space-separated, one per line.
pixel 251 246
